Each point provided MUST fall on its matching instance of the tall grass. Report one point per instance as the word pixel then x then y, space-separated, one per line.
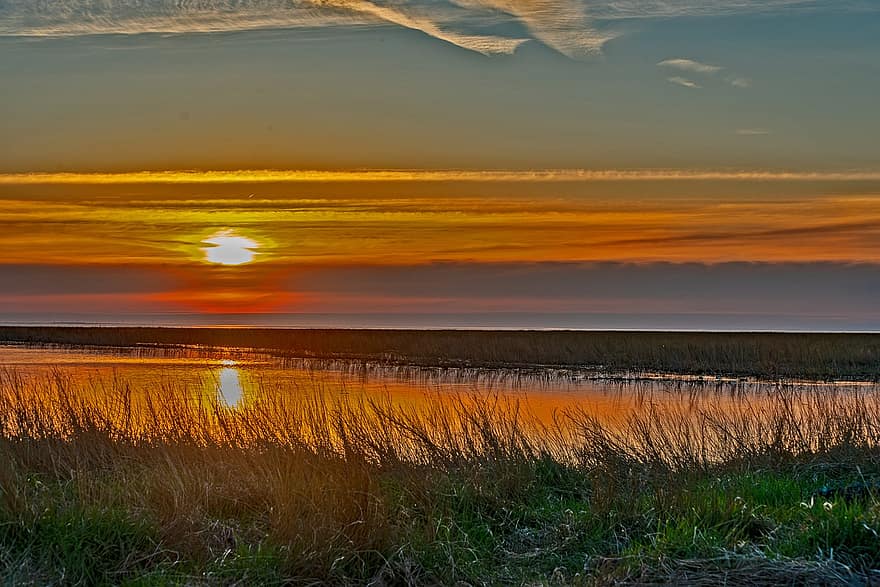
pixel 304 489
pixel 765 355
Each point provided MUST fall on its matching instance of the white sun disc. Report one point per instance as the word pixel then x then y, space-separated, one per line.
pixel 228 248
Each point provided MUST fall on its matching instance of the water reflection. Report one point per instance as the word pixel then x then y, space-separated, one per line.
pixel 157 378
pixel 229 390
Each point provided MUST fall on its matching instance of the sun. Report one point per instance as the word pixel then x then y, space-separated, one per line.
pixel 228 248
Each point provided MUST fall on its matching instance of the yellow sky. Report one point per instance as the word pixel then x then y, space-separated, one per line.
pixel 306 219
pixel 140 241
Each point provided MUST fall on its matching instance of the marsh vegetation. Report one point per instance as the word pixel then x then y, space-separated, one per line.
pixel 762 355
pixel 175 487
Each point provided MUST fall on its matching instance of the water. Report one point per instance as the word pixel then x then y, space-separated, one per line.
pixel 229 389
pixel 236 379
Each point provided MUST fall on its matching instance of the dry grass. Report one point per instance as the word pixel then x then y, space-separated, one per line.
pixel 304 490
pixel 764 355
pixel 752 569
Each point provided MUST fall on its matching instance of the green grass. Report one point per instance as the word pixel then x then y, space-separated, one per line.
pixel 456 531
pixel 60 538
pixel 458 492
pixel 763 355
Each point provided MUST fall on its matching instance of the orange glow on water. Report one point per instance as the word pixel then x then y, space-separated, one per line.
pixel 145 388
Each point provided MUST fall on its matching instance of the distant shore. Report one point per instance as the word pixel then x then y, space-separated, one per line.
pixel 774 356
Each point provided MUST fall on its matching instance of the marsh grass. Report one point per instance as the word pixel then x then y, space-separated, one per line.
pixel 813 356
pixel 305 489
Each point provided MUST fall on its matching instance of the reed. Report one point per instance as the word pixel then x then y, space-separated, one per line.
pixel 764 355
pixel 301 489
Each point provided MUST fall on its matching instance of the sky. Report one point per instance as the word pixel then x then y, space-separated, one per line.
pixel 489 163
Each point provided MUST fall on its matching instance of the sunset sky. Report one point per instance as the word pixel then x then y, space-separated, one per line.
pixel 503 163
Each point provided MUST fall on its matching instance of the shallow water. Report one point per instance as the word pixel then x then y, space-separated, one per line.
pixel 234 378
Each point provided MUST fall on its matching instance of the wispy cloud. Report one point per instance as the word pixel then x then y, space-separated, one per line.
pixel 648 9
pixel 752 132
pixel 84 17
pixel 576 28
pixel 740 82
pixel 690 65
pixel 699 68
pixel 563 25
pixel 295 176
pixel 378 225
pixel 486 44
pixel 683 82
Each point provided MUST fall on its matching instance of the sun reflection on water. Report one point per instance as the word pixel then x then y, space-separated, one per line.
pixel 229 390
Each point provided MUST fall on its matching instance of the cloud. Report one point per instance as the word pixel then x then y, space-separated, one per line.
pixel 700 68
pixel 650 9
pixel 84 17
pixel 690 65
pixel 606 295
pixel 485 44
pixel 752 132
pixel 598 286
pixel 563 25
pixel 445 175
pixel 38 279
pixel 678 295
pixel 743 237
pixel 684 82
pixel 575 28
pixel 163 226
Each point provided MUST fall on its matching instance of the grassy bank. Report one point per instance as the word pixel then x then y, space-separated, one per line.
pixel 304 491
pixel 762 355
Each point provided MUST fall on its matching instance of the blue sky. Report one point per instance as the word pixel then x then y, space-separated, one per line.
pixel 754 85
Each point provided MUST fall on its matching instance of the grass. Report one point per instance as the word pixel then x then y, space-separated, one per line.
pixel 302 490
pixel 763 355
